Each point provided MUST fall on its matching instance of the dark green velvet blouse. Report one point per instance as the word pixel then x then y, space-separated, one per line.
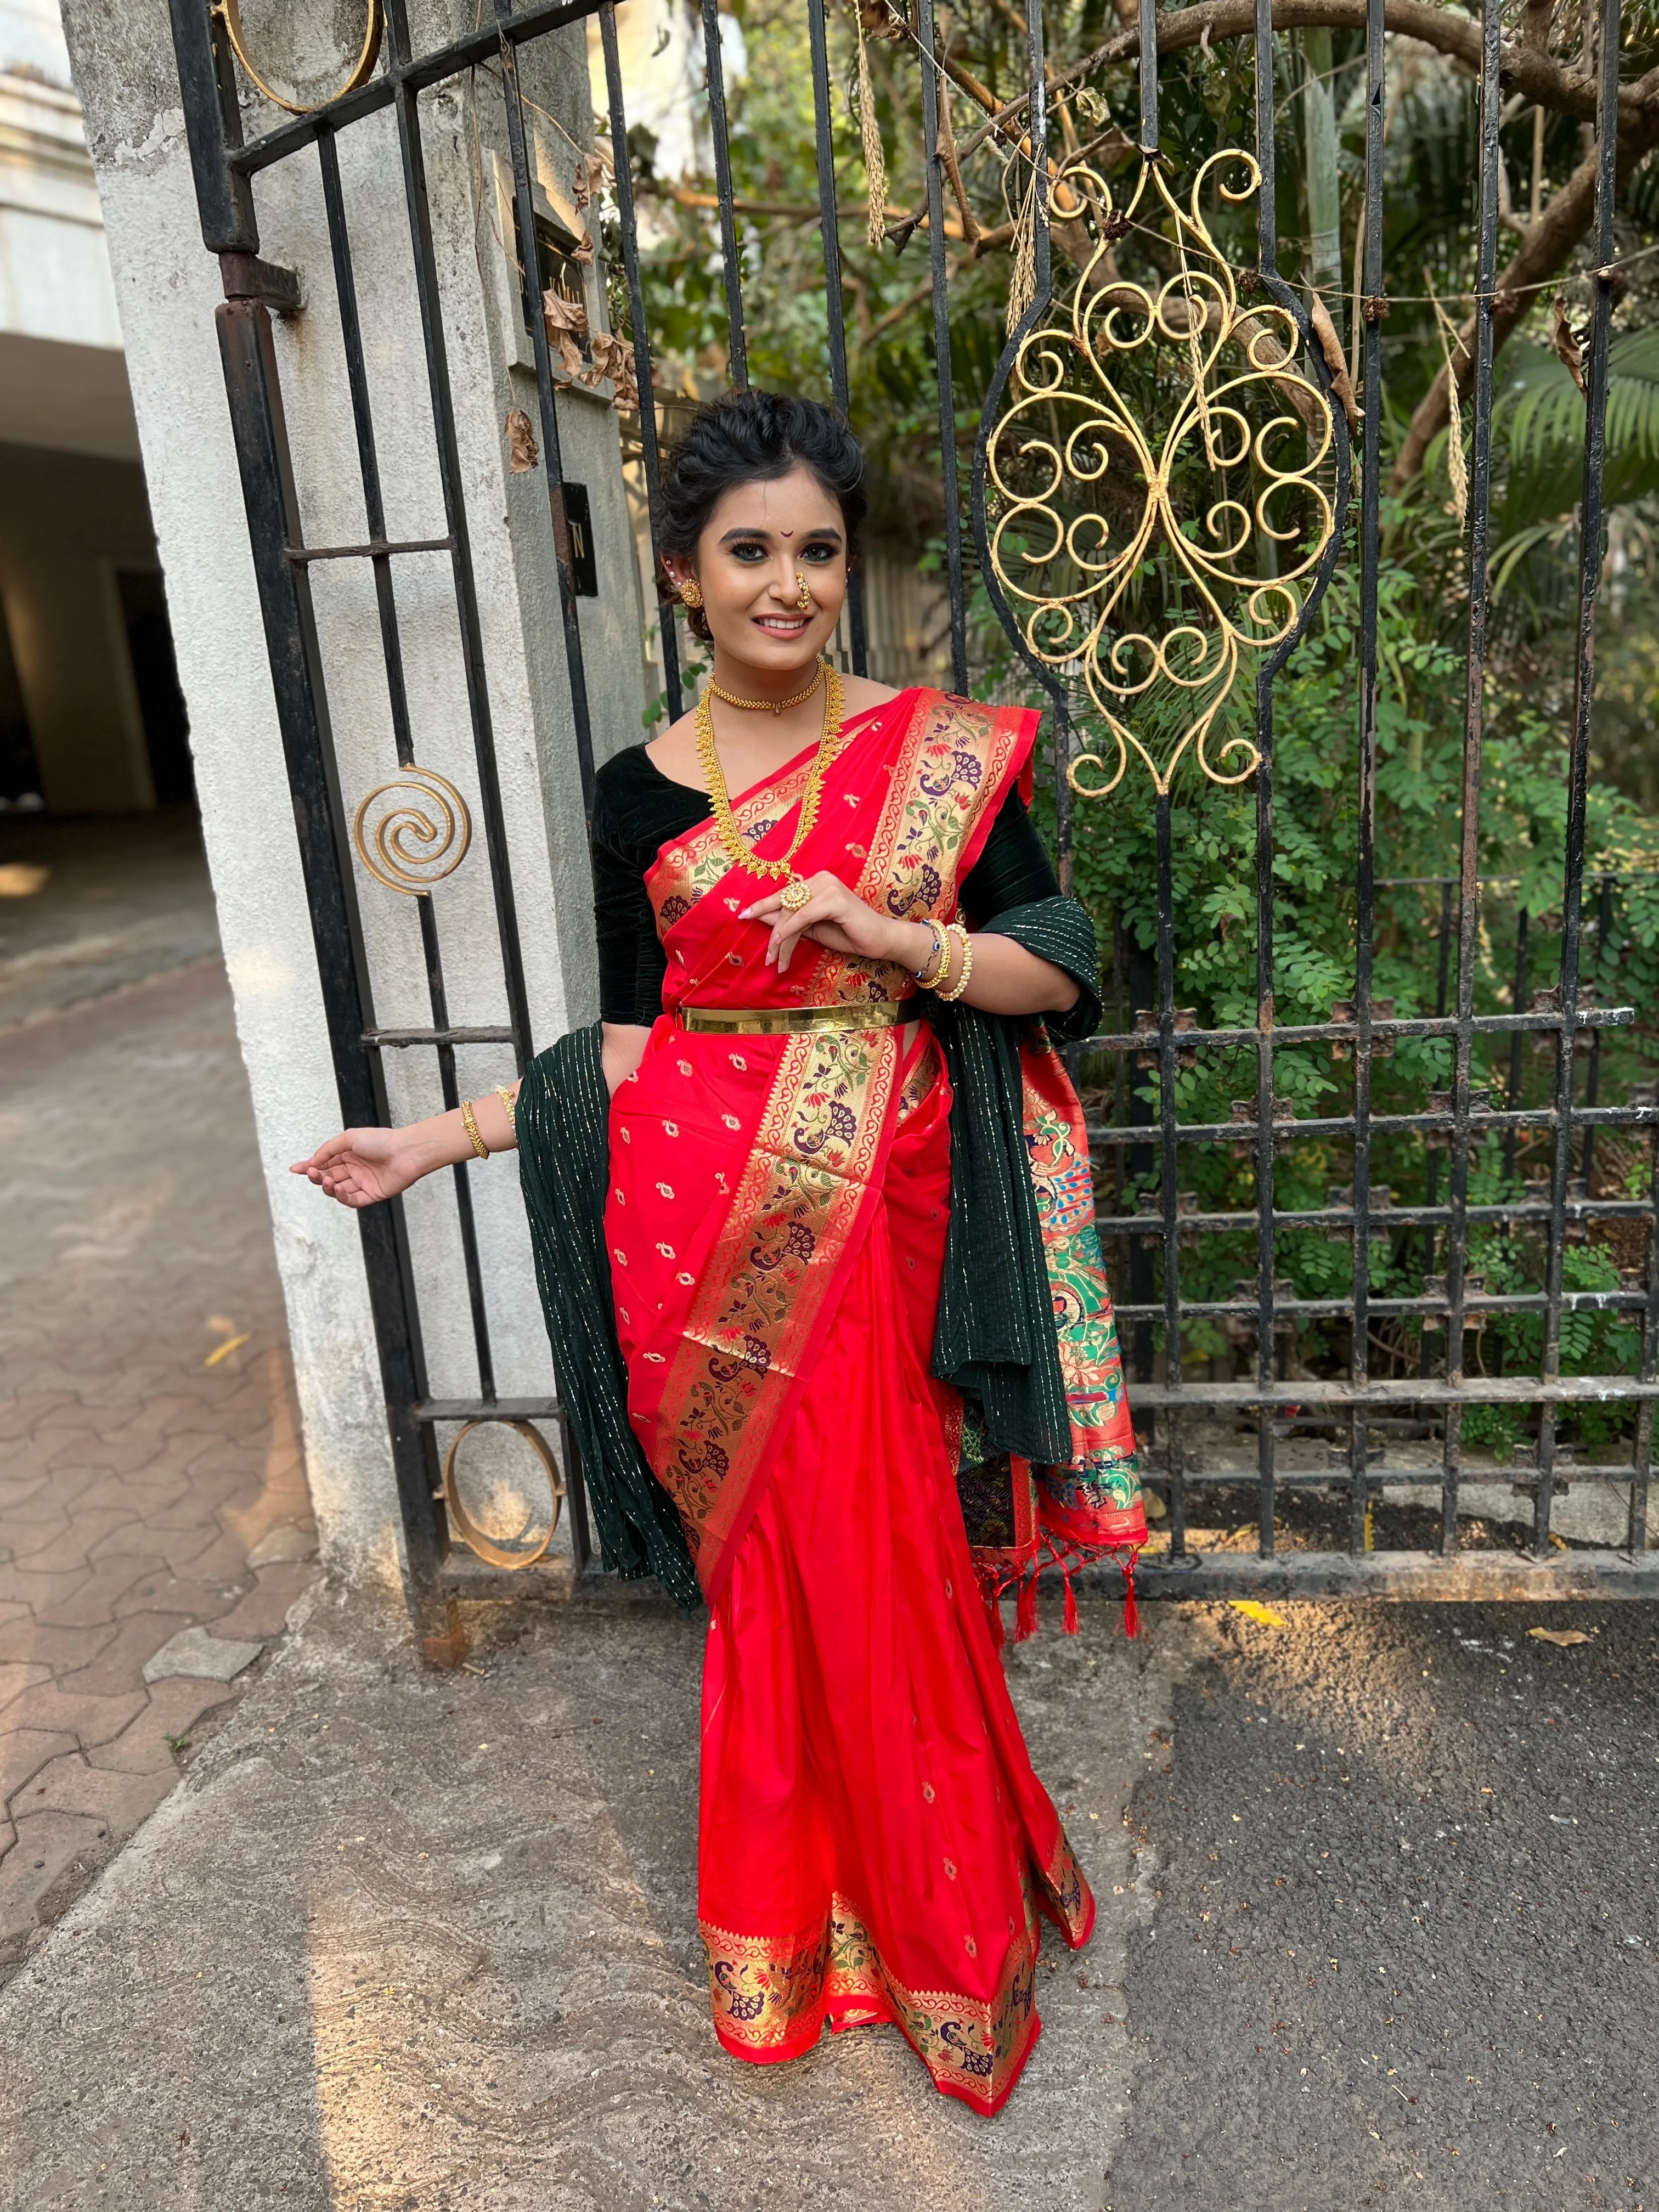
pixel 637 809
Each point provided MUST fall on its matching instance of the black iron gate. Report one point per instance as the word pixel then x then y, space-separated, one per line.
pixel 1094 737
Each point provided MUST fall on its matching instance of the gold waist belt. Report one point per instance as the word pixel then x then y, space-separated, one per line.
pixel 790 1021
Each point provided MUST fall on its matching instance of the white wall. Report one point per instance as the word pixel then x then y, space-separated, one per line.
pixel 167 287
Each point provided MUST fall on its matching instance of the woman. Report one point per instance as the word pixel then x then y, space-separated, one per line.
pixel 848 1244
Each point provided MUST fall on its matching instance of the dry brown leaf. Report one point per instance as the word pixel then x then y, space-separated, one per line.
pixel 614 358
pixel 1335 360
pixel 1565 343
pixel 522 451
pixel 564 314
pixel 1564 1637
pixel 590 175
pixel 582 251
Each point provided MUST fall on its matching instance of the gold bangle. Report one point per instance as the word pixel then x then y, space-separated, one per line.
pixel 512 1106
pixel 956 930
pixel 469 1124
pixel 937 965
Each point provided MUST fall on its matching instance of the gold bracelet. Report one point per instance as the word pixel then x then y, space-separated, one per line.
pixel 512 1105
pixel 937 966
pixel 469 1124
pixel 957 930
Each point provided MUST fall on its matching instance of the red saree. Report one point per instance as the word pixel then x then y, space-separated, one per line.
pixel 874 1845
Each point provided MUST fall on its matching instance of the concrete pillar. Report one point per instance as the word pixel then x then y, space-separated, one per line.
pixel 167 286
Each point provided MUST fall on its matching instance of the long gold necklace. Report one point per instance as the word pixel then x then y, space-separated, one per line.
pixel 765 706
pixel 796 891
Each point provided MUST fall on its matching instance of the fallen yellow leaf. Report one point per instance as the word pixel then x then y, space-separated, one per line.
pixel 1563 1637
pixel 1252 1609
pixel 223 1351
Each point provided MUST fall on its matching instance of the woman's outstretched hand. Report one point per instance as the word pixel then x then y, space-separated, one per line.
pixel 361 1167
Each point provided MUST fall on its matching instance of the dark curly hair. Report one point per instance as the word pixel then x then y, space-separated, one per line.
pixel 753 437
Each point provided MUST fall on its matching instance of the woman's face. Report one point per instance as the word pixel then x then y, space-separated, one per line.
pixel 758 544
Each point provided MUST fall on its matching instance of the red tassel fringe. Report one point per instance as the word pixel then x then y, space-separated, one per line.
pixel 1131 1618
pixel 1025 1614
pixel 1071 1602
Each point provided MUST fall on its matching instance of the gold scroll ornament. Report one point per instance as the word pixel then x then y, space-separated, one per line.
pixel 1081 482
pixel 420 839
pixel 490 1549
pixel 229 14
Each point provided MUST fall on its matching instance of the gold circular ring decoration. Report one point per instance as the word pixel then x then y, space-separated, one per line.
pixel 229 14
pixel 493 1553
pixel 420 838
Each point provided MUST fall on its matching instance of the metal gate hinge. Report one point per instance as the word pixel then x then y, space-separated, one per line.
pixel 246 277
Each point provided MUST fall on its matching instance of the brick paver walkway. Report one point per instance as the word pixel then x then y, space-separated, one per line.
pixel 150 1476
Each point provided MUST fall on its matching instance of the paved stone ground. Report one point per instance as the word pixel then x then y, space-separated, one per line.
pixel 407 1943
pixel 150 1477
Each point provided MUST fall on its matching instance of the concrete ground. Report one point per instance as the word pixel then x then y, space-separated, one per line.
pixel 1376 1883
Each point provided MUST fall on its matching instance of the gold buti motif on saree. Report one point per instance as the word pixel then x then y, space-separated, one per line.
pixel 1161 480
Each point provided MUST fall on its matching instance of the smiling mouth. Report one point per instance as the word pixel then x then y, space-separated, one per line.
pixel 785 625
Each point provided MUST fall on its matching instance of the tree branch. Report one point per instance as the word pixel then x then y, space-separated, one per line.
pixel 1545 246
pixel 1534 74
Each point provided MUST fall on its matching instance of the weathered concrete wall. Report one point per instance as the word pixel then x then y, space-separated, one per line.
pixel 168 287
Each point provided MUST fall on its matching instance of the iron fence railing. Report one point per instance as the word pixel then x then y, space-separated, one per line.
pixel 1141 1151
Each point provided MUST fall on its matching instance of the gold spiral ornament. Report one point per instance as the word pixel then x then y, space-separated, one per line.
pixel 229 13
pixel 1163 481
pixel 421 836
pixel 526 1549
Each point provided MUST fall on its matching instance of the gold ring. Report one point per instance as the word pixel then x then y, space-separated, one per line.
pixel 795 894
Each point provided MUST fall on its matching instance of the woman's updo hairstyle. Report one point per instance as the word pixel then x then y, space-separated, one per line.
pixel 753 437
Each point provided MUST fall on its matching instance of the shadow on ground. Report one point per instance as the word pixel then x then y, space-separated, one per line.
pixel 423 1943
pixel 1407 1950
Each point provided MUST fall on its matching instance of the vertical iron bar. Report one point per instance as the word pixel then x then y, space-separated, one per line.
pixel 1169 1172
pixel 1432 1173
pixel 253 390
pixel 933 169
pixel 1517 1004
pixel 1642 1448
pixel 1589 574
pixel 368 464
pixel 1468 910
pixel 737 350
pixel 1038 118
pixel 630 246
pixel 1369 557
pixel 547 407
pixel 1266 211
pixel 824 131
pixel 213 121
pixel 406 107
pixel 1592 1080
pixel 1267 1435
pixel 1149 79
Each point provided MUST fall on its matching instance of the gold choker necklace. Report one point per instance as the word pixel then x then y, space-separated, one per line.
pixel 769 706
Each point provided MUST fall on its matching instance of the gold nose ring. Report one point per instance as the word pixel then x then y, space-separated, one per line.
pixel 803 594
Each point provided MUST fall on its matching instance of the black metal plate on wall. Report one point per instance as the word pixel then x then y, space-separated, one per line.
pixel 579 518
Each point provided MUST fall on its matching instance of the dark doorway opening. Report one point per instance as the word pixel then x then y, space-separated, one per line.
pixel 20 772
pixel 155 676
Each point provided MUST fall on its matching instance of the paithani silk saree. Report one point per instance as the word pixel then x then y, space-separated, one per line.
pixel 874 1845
